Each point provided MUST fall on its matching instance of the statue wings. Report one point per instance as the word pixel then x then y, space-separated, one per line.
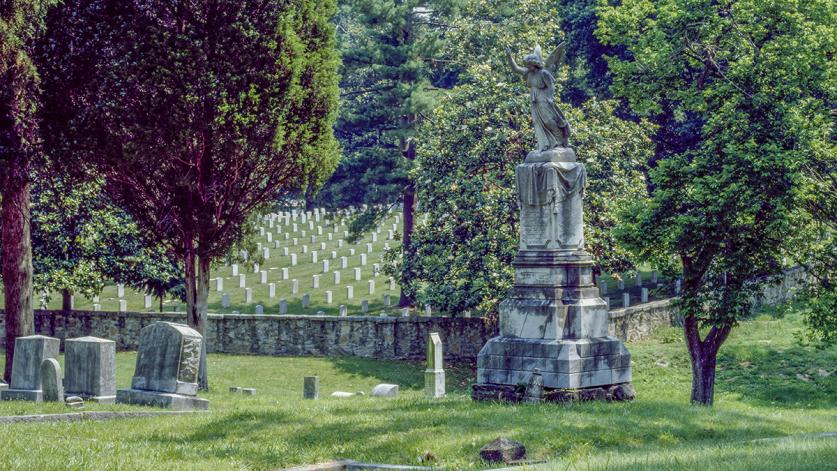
pixel 556 59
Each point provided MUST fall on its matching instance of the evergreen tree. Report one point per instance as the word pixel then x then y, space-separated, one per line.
pixel 21 23
pixel 391 73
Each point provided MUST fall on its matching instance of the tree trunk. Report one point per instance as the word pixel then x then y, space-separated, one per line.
pixel 161 303
pixel 66 300
pixel 199 322
pixel 193 305
pixel 17 261
pixel 703 355
pixel 408 213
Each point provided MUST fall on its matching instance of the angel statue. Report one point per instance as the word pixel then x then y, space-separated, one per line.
pixel 551 127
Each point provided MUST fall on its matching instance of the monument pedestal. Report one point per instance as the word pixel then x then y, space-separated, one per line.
pixel 34 395
pixel 553 319
pixel 160 399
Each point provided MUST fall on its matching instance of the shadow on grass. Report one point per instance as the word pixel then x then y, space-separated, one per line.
pixel 406 374
pixel 791 377
pixel 369 429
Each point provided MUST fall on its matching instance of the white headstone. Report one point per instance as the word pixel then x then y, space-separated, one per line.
pixel 271 290
pixel 434 375
pixel 225 300
pixel 357 274
pixel 234 268
pixel 329 295
pixel 315 281
pixel 350 292
pixel 248 295
pixel 219 284
pixel 294 286
pixel 385 390
pixel 242 281
pixel 306 301
pixel 343 311
pixel 123 305
pixel 371 286
pixel 120 290
pixel 147 301
pixel 285 273
pixel 283 306
pixel 293 259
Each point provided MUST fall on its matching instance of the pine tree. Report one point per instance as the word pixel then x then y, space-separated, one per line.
pixel 21 22
pixel 392 69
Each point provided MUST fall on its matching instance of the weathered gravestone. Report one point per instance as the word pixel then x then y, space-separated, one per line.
pixel 311 387
pixel 53 389
pixel 91 369
pixel 434 375
pixel 30 352
pixel 166 374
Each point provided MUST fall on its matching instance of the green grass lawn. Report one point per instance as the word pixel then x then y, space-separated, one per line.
pixel 303 271
pixel 770 392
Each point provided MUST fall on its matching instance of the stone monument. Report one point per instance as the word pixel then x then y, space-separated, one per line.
pixel 553 322
pixel 30 352
pixel 90 369
pixel 166 373
pixel 434 375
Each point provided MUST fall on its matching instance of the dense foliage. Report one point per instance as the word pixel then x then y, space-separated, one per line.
pixel 21 23
pixel 470 146
pixel 197 113
pixel 740 91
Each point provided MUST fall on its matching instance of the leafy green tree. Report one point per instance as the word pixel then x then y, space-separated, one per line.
pixel 392 69
pixel 21 22
pixel 740 91
pixel 465 172
pixel 469 148
pixel 81 241
pixel 197 113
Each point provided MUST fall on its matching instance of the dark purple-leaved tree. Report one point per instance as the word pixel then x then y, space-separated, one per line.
pixel 197 113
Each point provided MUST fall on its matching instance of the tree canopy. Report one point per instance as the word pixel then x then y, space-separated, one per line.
pixel 740 92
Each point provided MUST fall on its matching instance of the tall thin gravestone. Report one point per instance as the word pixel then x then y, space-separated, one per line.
pixel 434 375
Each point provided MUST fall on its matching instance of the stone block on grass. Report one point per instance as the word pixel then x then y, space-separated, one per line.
pixel 90 369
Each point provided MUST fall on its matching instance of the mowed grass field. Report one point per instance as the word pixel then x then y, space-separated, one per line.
pixel 303 271
pixel 774 399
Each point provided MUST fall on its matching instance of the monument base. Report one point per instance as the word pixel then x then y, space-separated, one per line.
pixel 515 394
pixel 89 398
pixel 3 386
pixel 564 364
pixel 32 395
pixel 160 399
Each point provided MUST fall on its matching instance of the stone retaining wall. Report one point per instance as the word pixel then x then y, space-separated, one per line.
pixel 372 337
